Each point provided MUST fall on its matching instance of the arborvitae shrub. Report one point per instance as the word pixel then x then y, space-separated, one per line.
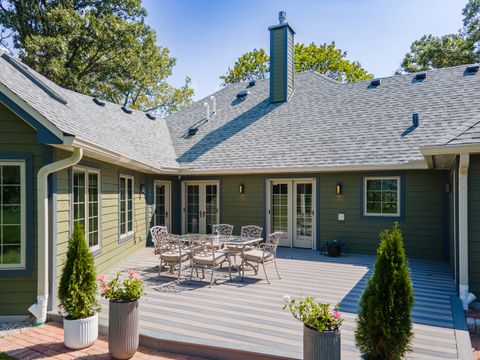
pixel 384 326
pixel 78 287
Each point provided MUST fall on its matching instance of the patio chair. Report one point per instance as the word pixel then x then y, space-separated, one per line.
pixel 253 231
pixel 205 255
pixel 264 254
pixel 223 230
pixel 173 252
pixel 156 231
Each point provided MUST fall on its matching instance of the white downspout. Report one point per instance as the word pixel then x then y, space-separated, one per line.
pixel 466 296
pixel 39 309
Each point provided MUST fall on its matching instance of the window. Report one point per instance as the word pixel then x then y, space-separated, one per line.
pixel 382 196
pixel 126 205
pixel 86 203
pixel 12 215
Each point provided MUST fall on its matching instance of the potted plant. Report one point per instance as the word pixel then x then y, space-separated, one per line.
pixel 321 330
pixel 123 298
pixel 334 248
pixel 77 293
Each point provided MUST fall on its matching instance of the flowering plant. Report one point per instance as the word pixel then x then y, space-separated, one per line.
pixel 130 289
pixel 315 315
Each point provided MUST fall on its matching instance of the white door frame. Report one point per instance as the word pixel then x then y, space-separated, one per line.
pixel 202 204
pixel 168 202
pixel 291 184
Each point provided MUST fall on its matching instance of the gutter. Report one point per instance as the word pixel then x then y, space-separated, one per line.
pixel 39 309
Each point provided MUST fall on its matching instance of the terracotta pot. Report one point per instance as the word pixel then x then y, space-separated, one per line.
pixel 123 329
pixel 81 333
pixel 334 250
pixel 325 345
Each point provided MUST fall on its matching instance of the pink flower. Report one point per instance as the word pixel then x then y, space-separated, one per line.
pixel 105 287
pixel 132 273
pixel 101 278
pixel 336 314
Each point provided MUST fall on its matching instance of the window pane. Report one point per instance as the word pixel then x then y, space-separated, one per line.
pixel 79 196
pixel 10 194
pixel 382 196
pixel 122 194
pixel 11 215
pixel 11 254
pixel 12 235
pixel 10 175
pixel 130 205
pixel 93 190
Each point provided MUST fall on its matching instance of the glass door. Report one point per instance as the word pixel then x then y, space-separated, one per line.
pixel 291 209
pixel 201 206
pixel 303 231
pixel 162 204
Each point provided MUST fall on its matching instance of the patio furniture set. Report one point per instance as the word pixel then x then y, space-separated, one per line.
pixel 201 251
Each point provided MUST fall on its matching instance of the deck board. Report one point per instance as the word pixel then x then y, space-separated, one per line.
pixel 248 315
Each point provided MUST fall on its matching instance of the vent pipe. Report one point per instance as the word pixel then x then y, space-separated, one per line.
pixel 207 108
pixel 214 104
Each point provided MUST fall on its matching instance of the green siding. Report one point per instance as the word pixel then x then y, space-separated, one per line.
pixel 278 65
pixel 474 224
pixel 18 293
pixel 112 252
pixel 421 224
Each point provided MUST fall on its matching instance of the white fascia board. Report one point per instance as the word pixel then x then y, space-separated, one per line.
pixel 450 149
pixel 418 165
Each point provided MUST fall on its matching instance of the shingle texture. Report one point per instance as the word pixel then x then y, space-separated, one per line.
pixel 327 124
pixel 133 135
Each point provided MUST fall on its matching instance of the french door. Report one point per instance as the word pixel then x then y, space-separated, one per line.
pixel 161 215
pixel 291 209
pixel 201 206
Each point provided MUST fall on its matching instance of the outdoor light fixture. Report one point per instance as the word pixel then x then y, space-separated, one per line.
pixel 241 189
pixel 339 189
pixel 142 189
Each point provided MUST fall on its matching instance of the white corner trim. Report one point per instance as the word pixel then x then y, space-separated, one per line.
pixel 463 226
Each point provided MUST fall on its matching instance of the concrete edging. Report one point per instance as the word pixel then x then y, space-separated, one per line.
pixel 462 337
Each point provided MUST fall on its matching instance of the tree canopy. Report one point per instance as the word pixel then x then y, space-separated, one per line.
pixel 326 59
pixel 434 52
pixel 99 48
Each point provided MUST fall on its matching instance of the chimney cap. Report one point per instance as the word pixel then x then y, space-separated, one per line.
pixel 282 16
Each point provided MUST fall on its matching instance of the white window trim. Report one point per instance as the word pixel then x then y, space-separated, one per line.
pixel 399 200
pixel 23 217
pixel 86 171
pixel 128 233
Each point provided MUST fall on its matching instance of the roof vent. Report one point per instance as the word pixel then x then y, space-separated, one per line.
pixel 243 94
pixel 99 102
pixel 150 116
pixel 251 83
pixel 420 76
pixel 375 82
pixel 126 110
pixel 192 131
pixel 415 122
pixel 472 69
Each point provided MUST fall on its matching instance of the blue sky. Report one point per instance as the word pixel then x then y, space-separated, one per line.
pixel 207 36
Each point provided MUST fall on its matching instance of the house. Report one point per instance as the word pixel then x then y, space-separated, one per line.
pixel 298 153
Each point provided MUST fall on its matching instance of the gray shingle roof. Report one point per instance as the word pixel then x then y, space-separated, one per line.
pixel 326 124
pixel 133 135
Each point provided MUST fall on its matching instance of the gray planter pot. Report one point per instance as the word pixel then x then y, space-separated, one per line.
pixel 123 329
pixel 324 345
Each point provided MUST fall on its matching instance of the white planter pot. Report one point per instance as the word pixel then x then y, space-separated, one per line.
pixel 79 334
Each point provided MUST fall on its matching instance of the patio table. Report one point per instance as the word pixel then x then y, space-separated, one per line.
pixel 232 240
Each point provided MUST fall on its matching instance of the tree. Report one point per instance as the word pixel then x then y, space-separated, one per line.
pixel 384 325
pixel 324 59
pixel 78 288
pixel 434 52
pixel 99 48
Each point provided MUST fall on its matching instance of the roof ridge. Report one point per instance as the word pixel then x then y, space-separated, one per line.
pixel 457 132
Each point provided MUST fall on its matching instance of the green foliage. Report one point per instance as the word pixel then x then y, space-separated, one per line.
pixel 384 326
pixel 324 59
pixel 315 315
pixel 130 289
pixel 78 288
pixel 4 356
pixel 99 48
pixel 434 52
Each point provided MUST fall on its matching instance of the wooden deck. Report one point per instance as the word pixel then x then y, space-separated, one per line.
pixel 248 315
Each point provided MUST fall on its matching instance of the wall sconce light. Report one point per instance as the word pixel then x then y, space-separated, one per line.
pixel 241 189
pixel 142 189
pixel 339 189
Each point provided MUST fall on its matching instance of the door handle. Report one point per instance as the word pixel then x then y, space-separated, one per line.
pixel 166 214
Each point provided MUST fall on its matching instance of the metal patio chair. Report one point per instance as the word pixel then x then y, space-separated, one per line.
pixel 173 252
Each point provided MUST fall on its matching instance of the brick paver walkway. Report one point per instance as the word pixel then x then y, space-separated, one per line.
pixel 46 342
